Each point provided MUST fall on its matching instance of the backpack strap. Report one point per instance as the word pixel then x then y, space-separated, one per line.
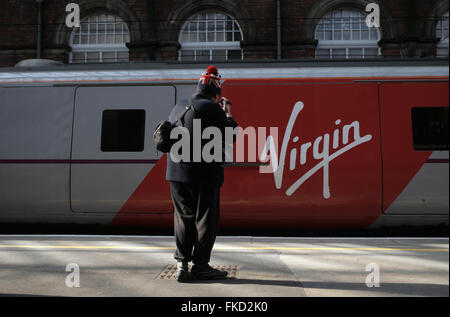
pixel 181 116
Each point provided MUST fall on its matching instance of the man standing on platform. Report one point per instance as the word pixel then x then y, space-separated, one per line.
pixel 195 186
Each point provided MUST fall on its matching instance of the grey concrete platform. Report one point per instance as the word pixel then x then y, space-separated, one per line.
pixel 266 267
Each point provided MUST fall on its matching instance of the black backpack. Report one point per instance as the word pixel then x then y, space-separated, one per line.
pixel 161 136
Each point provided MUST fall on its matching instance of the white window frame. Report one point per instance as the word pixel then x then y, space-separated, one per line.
pixel 345 44
pixel 442 47
pixel 210 46
pixel 99 48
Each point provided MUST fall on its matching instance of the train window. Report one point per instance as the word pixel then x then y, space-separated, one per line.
pixel 430 128
pixel 123 131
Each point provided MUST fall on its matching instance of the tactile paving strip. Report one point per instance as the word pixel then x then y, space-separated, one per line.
pixel 169 272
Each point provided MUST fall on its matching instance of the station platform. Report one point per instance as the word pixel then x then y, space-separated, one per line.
pixel 87 265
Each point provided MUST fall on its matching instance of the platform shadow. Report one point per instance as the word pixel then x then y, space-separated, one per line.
pixel 393 289
pixel 237 281
pixel 385 289
pixel 24 295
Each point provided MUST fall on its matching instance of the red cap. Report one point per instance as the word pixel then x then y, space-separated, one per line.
pixel 212 70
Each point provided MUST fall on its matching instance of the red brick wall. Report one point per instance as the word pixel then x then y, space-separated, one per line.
pixel 18 28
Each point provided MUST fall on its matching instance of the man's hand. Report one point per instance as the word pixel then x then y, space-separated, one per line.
pixel 226 106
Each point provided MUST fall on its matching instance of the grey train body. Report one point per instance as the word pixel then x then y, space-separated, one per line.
pixel 49 130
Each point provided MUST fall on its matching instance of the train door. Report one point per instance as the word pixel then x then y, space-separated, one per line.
pixel 112 148
pixel 35 135
pixel 414 126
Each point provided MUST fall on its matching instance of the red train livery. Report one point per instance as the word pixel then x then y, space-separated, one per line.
pixel 357 146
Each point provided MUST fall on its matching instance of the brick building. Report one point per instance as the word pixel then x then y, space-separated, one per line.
pixel 155 30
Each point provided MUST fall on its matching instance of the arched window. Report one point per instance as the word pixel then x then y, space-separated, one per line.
pixel 210 36
pixel 442 34
pixel 100 39
pixel 343 33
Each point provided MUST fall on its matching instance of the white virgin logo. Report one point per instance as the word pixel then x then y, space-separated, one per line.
pixel 324 156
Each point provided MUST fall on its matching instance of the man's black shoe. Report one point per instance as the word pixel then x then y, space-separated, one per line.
pixel 182 275
pixel 205 272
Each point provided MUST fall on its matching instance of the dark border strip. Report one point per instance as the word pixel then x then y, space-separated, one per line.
pixel 437 161
pixel 62 161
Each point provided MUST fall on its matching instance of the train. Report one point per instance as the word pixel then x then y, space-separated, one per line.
pixel 358 144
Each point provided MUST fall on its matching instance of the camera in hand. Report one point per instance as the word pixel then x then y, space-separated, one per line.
pixel 224 101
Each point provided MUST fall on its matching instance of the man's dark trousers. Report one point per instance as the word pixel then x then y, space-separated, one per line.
pixel 196 220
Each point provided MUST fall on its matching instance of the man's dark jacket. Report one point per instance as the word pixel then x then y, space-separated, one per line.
pixel 211 114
